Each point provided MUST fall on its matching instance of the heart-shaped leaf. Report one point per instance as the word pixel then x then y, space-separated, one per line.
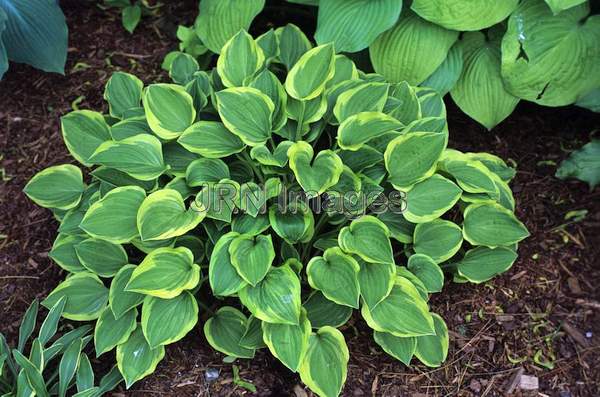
pixel 368 238
pixel 492 225
pixel 307 78
pixel 360 128
pixel 432 350
pixel 430 199
pixel 323 312
pixel 225 329
pixel 86 297
pixel 169 109
pixel 401 348
pixel 314 175
pixel 210 139
pixel 252 256
pixel 60 186
pixel 165 321
pixel 376 281
pixel 427 271
pixel 119 300
pixel 111 331
pixel 222 275
pixel 136 359
pixel 240 59
pixel 482 263
pixel 438 239
pixel 288 342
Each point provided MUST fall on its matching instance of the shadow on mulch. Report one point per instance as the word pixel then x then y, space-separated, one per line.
pixel 532 317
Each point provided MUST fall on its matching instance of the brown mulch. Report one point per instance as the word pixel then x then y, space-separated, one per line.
pixel 533 317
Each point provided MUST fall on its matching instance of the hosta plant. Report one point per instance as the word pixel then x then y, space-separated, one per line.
pixel 292 187
pixel 54 365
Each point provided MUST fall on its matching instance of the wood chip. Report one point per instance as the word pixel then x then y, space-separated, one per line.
pixel 528 382
pixel 574 286
pixel 514 381
pixel 575 334
pixel 299 391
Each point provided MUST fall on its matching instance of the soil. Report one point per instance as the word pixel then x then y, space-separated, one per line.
pixel 541 318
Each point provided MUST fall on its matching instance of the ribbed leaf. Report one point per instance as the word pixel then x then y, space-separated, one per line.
pixel 426 270
pixel 482 263
pixel 59 186
pixel 492 225
pixel 111 331
pixel 288 343
pixel 368 238
pixel 240 59
pixel 165 321
pixel 86 297
pixel 225 329
pixel 83 131
pixel 335 274
pixel 136 359
pixel 123 92
pixel 169 109
pixel 210 139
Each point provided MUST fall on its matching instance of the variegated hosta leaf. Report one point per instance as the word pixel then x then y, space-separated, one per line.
pixel 323 312
pixel 480 92
pixel 101 257
pixel 368 97
pixel 471 175
pixel 335 274
pixel 464 15
pixel 169 109
pixel 412 50
pixel 427 270
pixel 247 113
pixel 183 68
pixel 401 348
pixel 368 238
pixel 119 300
pixel 376 281
pixel 430 199
pixel 360 128
pixel 314 174
pixel 253 336
pixel 163 215
pixel 412 157
pixel 86 297
pixel 288 343
pixel 225 329
pixel 140 156
pixel 241 58
pixel 123 93
pixel 222 275
pixel 275 299
pixel 114 217
pixel 293 43
pixel 269 43
pixel 268 83
pixel 353 24
pixel 345 69
pixel 165 321
pixel 324 367
pixel 64 254
pixel 252 256
pixel 111 331
pixel 129 127
pixel 165 273
pixel 210 139
pixel 59 186
pixel 83 131
pixel 551 59
pixel 278 158
pixel 492 225
pixel 400 229
pixel 220 20
pixel 206 171
pixel 136 359
pixel 482 263
pixel 307 78
pixel 200 89
pixel 439 239
pixel 432 350
pixel 402 313
pixel 447 74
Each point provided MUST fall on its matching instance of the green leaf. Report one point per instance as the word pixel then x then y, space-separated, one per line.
pixel 50 324
pixel 241 58
pixel 376 281
pixel 33 376
pixel 293 43
pixel 551 59
pixel 169 109
pixel 430 199
pixel 353 24
pixel 210 139
pixel 182 70
pixel 85 374
pixel 59 186
pixel 400 229
pixel 165 321
pixel 459 15
pixel 247 113
pixel 471 175
pixel 288 342
pixel 276 299
pixel 480 91
pixel 199 89
pixel 163 215
pixel 482 263
pixel 204 171
pixel 86 297
pixel 113 218
pixel 492 225
pixel 83 131
pixel 222 275
pixel 225 329
pixel 360 128
pixel 335 274
pixel 438 239
pixel 432 350
pixel 368 97
pixel 412 50
pixel 165 273
pixel 583 164
pixel 323 312
pixel 447 74
pixel 111 331
pixel 28 324
pixel 426 269
pixel 401 348
pixel 130 17
pixel 268 83
pixel 140 156
pixel 252 256
pixel 114 178
pixel 314 174
pixel 324 367
pixel 253 336
pixel 269 44
pixel 129 127
pixel 136 359
pixel 560 5
pixel 220 20
pixel 368 238
pixel 123 92
pixel 411 158
pixel 194 244
pixel 101 257
pixel 402 313
pixel 278 158
pixel 110 380
pixel 122 301
pixel 307 78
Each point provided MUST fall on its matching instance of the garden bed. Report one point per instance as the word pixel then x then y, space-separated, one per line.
pixel 538 316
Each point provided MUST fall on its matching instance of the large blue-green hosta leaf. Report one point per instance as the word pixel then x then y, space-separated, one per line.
pixel 583 164
pixel 36 34
pixel 551 59
pixel 3 55
pixel 559 5
pixel 353 24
